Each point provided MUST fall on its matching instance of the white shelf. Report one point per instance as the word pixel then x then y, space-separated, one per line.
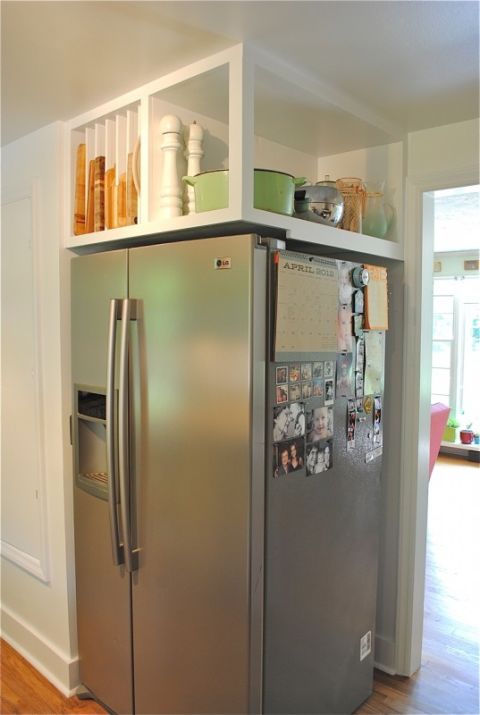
pixel 256 112
pixel 262 222
pixel 464 447
pixel 315 233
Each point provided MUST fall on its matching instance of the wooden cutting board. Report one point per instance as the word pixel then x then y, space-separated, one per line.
pixel 122 200
pixel 131 198
pixel 89 222
pixel 110 204
pixel 80 171
pixel 99 194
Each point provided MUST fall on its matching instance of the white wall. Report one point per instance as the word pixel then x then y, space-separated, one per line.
pixel 447 149
pixel 37 598
pixel 453 263
pixel 438 158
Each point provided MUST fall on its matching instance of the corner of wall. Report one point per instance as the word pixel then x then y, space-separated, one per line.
pixel 385 654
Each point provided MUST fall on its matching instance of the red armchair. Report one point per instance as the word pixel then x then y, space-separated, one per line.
pixel 438 419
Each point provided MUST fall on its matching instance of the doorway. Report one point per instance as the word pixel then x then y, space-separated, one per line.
pixel 456 305
pixel 450 631
pixel 414 486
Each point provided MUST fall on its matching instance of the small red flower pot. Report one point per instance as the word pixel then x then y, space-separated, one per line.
pixel 466 436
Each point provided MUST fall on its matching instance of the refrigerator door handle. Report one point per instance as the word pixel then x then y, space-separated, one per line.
pixel 117 547
pixel 131 555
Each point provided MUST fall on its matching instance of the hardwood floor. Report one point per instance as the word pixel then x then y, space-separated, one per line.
pixel 447 682
pixel 25 691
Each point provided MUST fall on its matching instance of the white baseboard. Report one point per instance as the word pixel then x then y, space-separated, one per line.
pixel 59 668
pixel 385 655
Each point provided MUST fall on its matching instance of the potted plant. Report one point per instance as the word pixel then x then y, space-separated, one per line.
pixel 450 432
pixel 467 434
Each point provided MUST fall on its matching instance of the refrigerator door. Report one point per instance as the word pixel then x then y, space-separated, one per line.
pixel 197 452
pixel 103 589
pixel 321 567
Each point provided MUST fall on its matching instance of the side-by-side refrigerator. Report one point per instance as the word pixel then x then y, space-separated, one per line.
pixel 227 434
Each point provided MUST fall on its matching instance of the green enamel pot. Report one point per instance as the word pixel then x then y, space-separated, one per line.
pixel 272 190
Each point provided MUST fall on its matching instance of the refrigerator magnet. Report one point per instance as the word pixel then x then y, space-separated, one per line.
pixel 281 461
pixel 311 459
pixel 368 404
pixel 318 387
pixel 345 375
pixel 329 391
pixel 307 388
pixel 296 450
pixel 288 421
pixel 288 457
pixel 297 412
pixel 360 355
pixel 306 371
pixel 358 384
pixel 358 325
pixel 281 423
pixel 344 329
pixel 351 424
pixel 319 423
pixel 345 287
pixel 294 373
pixel 358 302
pixel 374 361
pixel 294 392
pixel 281 394
pixel 281 374
pixel 318 369
pixel 329 368
pixel 377 421
pixel 319 458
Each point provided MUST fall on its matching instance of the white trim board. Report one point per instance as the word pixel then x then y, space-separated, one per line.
pixel 58 667
pixel 416 421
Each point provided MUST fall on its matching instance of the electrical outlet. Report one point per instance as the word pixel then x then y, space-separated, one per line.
pixel 365 645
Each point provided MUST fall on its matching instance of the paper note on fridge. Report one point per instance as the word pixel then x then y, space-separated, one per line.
pixel 307 303
pixel 376 299
pixel 374 350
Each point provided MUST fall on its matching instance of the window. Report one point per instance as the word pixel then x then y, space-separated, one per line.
pixel 456 296
pixel 443 337
pixel 456 345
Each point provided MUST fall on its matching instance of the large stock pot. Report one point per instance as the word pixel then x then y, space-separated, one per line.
pixel 272 190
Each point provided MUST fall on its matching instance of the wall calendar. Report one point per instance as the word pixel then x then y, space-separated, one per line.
pixel 306 304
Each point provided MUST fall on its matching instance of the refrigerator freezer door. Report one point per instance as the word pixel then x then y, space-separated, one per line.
pixel 194 369
pixel 103 589
pixel 96 280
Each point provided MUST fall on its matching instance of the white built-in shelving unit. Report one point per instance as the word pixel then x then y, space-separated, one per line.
pixel 256 112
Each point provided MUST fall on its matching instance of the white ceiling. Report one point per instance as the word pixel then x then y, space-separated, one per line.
pixel 413 63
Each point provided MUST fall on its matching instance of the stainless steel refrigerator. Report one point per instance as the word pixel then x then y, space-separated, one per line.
pixel 206 581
